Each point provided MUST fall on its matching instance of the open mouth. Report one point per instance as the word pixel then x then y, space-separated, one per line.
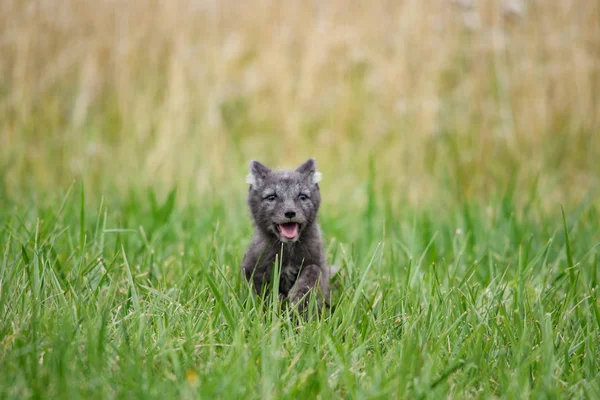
pixel 288 230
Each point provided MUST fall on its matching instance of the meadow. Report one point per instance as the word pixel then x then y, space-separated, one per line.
pixel 459 144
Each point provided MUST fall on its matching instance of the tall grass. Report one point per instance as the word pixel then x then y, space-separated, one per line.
pixel 185 92
pixel 129 299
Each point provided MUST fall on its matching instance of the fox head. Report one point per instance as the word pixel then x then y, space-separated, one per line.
pixel 284 203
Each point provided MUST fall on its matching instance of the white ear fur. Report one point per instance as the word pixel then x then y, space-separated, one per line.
pixel 251 179
pixel 316 178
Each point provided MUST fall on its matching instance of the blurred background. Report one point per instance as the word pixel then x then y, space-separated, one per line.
pixel 421 100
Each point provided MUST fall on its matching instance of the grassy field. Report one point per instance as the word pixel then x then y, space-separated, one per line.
pixel 139 298
pixel 459 144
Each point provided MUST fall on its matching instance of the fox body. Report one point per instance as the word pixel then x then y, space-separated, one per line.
pixel 284 207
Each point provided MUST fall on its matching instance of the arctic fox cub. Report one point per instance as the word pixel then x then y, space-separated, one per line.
pixel 284 206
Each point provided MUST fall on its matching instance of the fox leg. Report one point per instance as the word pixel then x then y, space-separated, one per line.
pixel 309 279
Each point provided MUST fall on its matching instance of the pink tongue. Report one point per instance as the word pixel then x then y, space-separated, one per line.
pixel 289 230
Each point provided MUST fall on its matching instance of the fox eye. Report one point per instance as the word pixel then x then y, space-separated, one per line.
pixel 303 197
pixel 271 197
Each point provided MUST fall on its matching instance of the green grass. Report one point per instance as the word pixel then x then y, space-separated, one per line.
pixel 141 297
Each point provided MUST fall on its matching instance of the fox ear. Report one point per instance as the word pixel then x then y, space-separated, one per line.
pixel 310 168
pixel 257 174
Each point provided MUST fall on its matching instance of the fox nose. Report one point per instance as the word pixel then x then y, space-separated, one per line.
pixel 290 214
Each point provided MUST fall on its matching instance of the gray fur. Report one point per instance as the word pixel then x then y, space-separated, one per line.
pixel 302 258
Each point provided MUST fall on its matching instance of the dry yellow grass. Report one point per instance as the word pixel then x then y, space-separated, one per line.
pixel 456 98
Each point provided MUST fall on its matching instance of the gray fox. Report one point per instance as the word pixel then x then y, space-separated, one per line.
pixel 284 206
